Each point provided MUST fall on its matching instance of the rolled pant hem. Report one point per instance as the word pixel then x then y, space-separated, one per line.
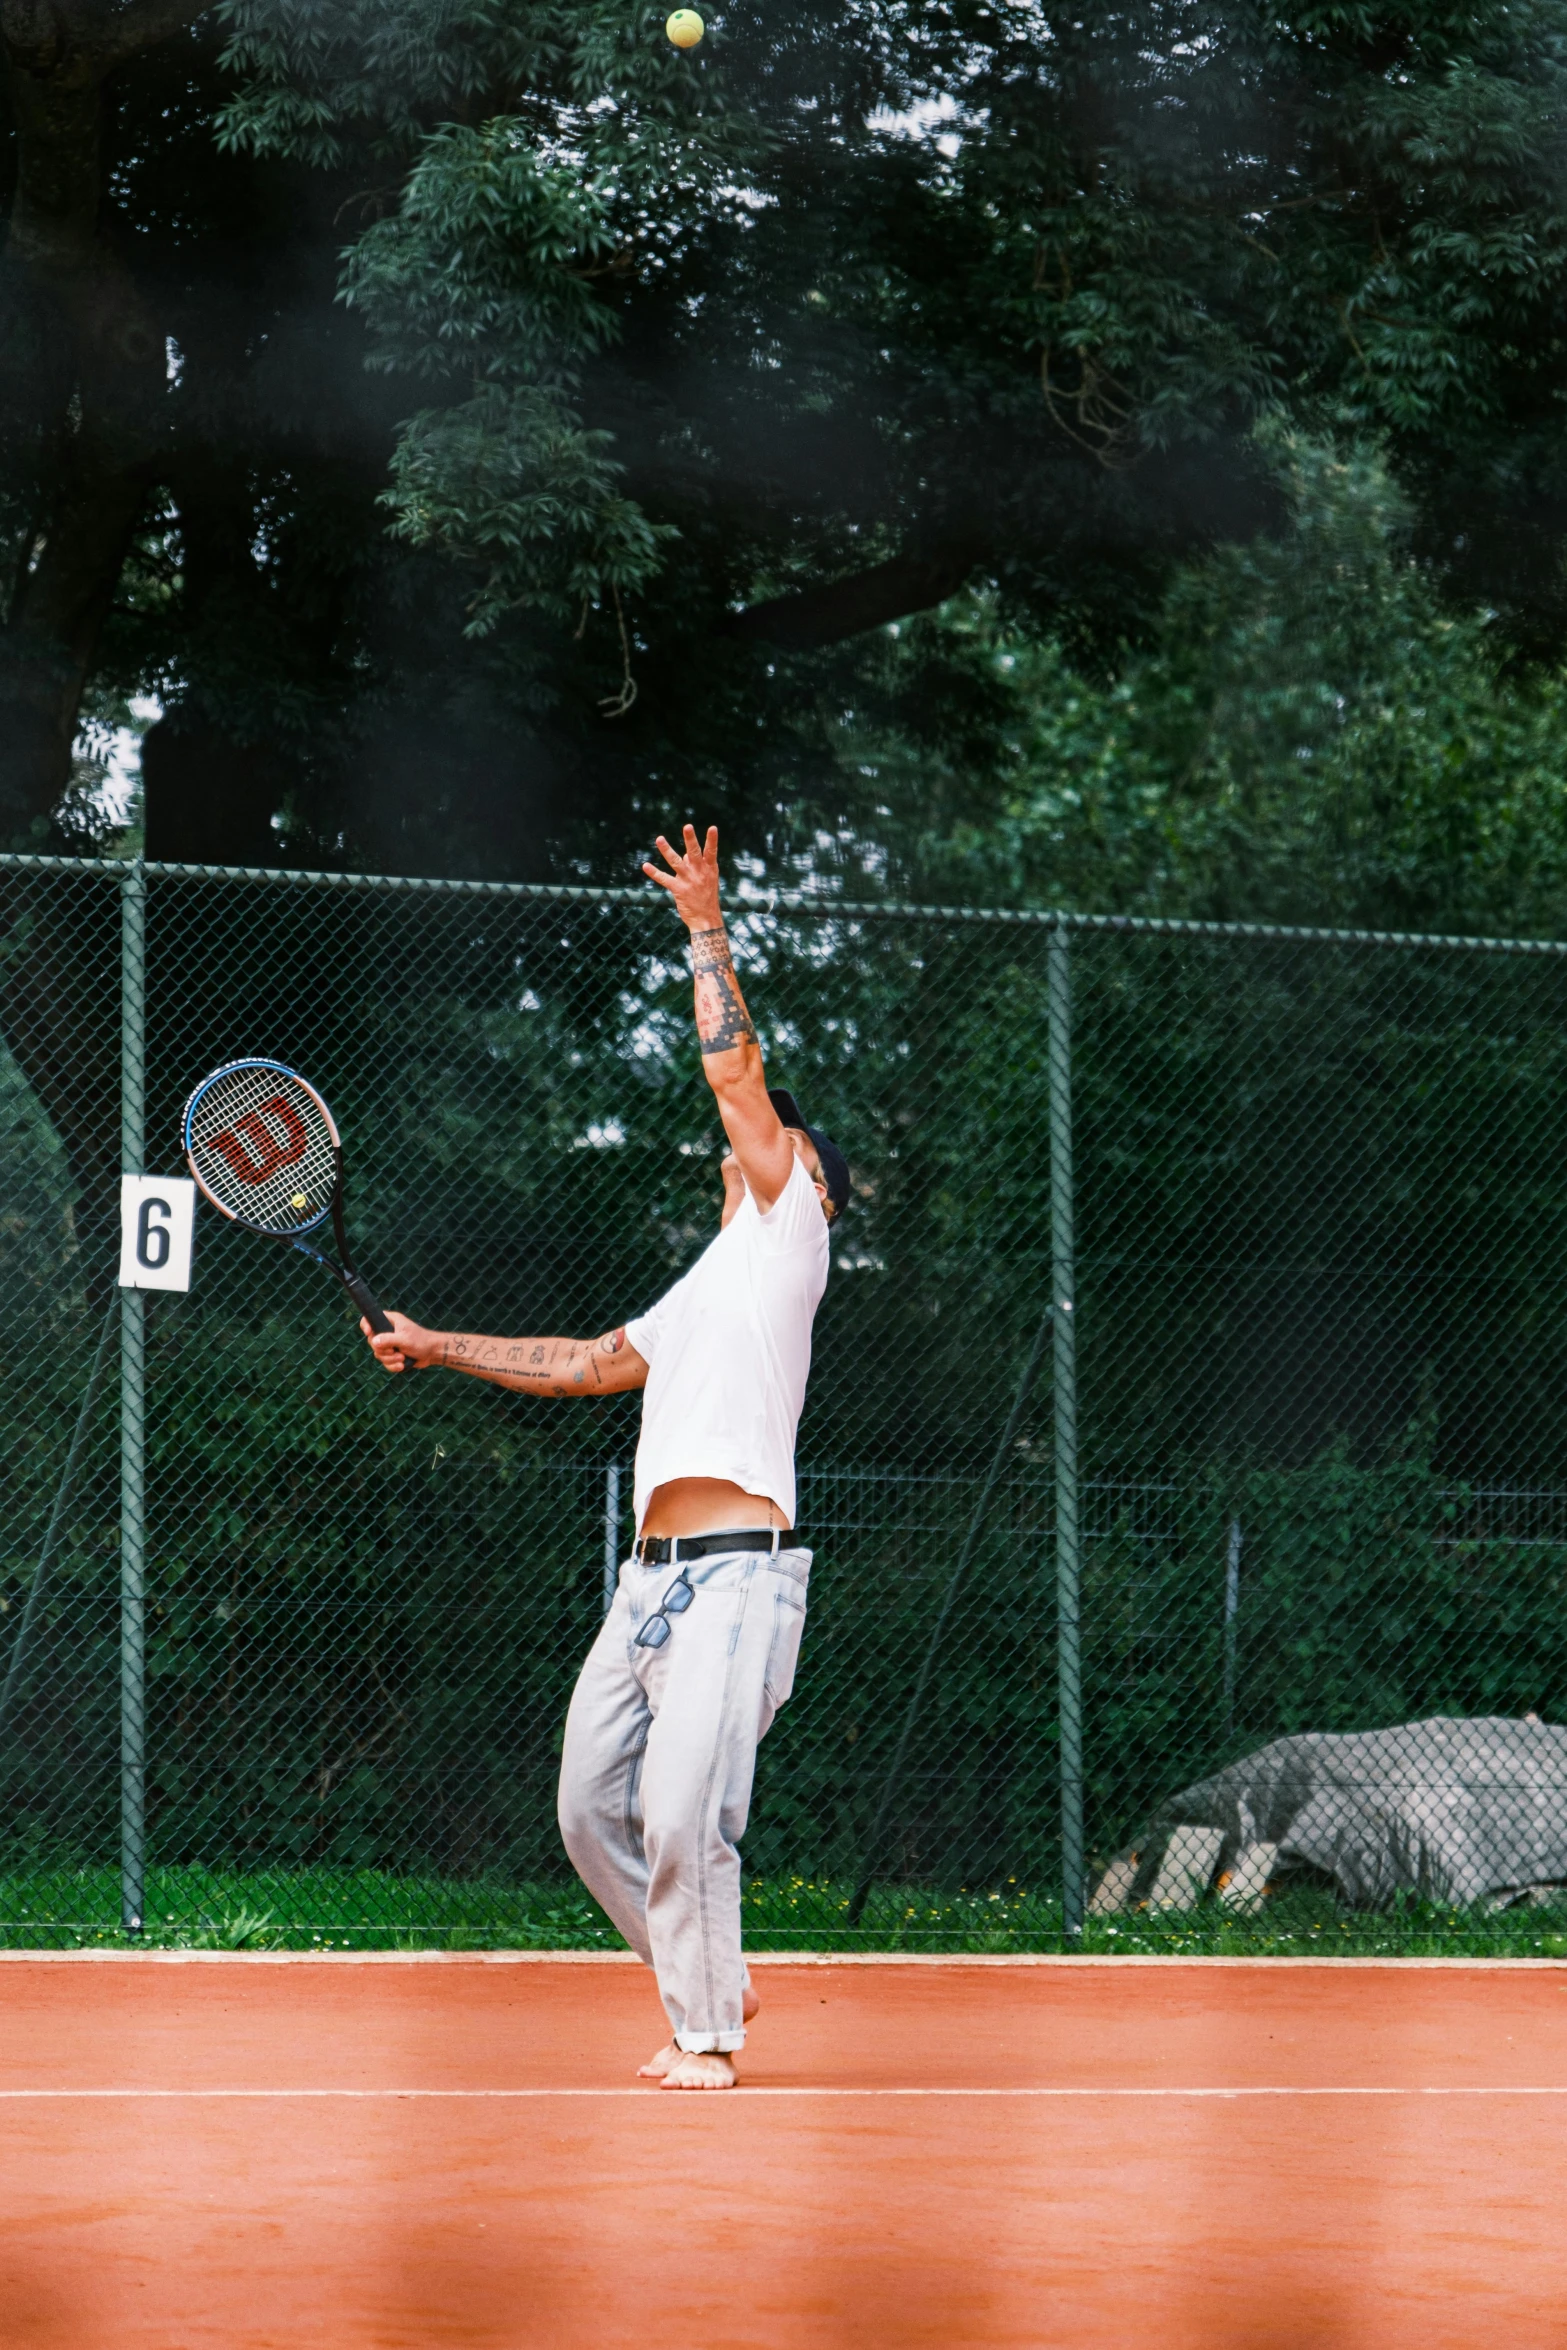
pixel 707 2043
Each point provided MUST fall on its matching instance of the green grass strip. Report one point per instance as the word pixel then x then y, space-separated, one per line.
pixel 204 1909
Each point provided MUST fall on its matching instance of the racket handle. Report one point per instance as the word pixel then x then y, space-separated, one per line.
pixel 367 1305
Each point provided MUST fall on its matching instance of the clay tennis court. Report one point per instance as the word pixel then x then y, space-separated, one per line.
pixel 396 2153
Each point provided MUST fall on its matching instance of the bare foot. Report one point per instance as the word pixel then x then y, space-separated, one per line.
pixel 658 2068
pixel 710 2070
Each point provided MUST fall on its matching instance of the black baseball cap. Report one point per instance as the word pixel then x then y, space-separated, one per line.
pixel 835 1167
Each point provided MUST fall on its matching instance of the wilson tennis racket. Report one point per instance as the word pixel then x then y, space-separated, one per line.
pixel 264 1148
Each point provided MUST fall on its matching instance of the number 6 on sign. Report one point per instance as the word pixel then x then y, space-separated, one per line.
pixel 157 1219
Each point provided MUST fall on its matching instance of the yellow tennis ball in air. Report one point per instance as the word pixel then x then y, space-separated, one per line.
pixel 685 28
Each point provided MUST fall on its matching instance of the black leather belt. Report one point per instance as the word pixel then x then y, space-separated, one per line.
pixel 662 1550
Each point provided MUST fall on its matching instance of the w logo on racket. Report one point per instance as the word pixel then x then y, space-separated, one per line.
pixel 253 1129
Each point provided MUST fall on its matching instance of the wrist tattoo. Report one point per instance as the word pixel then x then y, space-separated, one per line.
pixel 710 949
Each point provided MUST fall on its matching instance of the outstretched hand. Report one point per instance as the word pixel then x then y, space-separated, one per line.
pixel 692 879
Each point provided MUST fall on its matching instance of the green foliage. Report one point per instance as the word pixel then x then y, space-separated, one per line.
pixel 37 1220
pixel 520 238
pixel 496 273
pixel 515 485
pixel 1312 735
pixel 330 73
pixel 1381 189
pixel 1137 232
pixel 485 273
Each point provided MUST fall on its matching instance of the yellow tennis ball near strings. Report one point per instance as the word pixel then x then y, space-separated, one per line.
pixel 685 28
pixel 299 1200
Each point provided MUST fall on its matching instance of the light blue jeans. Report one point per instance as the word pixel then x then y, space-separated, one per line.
pixel 660 1752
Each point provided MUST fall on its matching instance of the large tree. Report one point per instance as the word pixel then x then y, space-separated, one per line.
pixel 83 356
pixel 658 381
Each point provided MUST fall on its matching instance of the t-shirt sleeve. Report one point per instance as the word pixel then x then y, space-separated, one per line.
pixel 644 1331
pixel 795 1217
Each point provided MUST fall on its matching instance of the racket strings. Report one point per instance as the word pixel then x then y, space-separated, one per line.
pixel 262 1148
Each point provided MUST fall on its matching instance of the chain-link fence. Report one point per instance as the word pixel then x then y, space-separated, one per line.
pixel 1191 1378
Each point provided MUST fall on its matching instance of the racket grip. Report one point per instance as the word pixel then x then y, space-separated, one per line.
pixel 367 1305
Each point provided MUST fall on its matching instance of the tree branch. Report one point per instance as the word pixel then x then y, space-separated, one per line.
pixel 146 22
pixel 866 599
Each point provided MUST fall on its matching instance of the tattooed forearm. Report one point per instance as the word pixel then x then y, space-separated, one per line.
pixel 722 1021
pixel 545 1366
pixel 532 1364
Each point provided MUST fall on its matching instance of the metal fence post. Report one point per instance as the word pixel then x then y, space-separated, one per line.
pixel 1069 1663
pixel 611 1533
pixel 133 1416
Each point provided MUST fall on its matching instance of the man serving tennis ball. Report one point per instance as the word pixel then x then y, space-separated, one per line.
pixel 698 1651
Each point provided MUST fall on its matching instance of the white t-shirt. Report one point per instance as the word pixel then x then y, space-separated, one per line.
pixel 728 1351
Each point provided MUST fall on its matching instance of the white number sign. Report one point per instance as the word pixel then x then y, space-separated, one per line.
pixel 157 1228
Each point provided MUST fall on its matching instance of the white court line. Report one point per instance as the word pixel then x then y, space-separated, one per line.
pixel 503 2096
pixel 1067 1961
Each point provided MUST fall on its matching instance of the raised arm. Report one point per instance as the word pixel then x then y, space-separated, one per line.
pixel 609 1365
pixel 731 1056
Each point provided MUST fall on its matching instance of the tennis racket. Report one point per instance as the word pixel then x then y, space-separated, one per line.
pixel 264 1148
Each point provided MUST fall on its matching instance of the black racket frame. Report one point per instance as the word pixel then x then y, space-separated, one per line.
pixel 345 1269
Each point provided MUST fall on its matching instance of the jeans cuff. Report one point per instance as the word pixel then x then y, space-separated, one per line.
pixel 704 2043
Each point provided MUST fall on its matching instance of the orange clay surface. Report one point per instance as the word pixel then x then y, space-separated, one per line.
pixel 361 2154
